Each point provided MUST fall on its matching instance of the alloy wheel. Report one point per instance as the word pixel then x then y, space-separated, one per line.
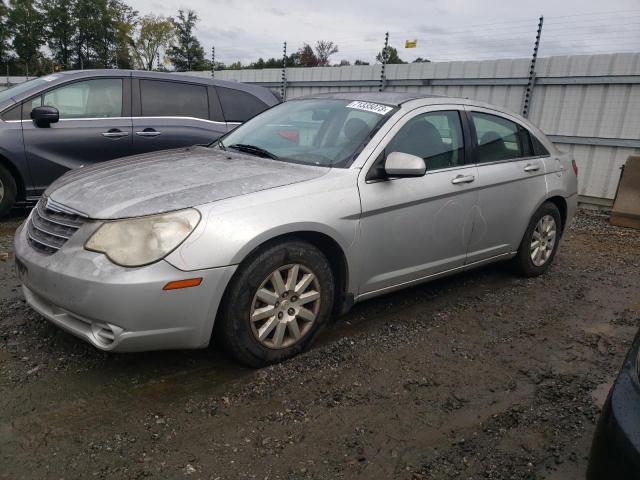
pixel 285 306
pixel 543 240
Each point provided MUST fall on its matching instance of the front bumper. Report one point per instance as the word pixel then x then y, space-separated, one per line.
pixel 615 452
pixel 117 308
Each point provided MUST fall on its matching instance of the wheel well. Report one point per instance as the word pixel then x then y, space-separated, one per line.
pixel 21 194
pixel 335 255
pixel 561 203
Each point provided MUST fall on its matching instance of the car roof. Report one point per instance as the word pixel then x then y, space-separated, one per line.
pixel 264 94
pixel 388 98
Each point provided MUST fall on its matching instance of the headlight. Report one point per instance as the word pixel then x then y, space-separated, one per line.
pixel 141 241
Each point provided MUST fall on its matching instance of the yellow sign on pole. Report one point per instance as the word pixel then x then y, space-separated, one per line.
pixel 410 43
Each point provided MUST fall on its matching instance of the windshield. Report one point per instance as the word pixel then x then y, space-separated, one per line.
pixel 19 88
pixel 325 132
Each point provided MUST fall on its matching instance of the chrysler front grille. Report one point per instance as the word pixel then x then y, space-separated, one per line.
pixel 51 225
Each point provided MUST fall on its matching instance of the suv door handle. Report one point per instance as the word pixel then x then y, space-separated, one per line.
pixel 149 132
pixel 463 179
pixel 114 133
pixel 530 167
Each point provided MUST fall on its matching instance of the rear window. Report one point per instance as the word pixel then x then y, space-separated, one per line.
pixel 171 99
pixel 239 106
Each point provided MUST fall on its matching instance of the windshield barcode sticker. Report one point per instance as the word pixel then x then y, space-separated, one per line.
pixel 370 107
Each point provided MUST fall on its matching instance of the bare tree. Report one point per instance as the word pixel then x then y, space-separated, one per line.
pixel 324 50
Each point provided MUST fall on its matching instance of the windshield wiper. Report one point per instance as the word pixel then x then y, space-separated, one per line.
pixel 252 149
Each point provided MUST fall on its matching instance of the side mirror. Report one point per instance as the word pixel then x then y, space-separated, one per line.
pixel 398 164
pixel 45 116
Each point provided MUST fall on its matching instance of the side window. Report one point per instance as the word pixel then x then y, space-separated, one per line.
pixel 239 106
pixel 172 99
pixel 538 148
pixel 14 113
pixel 435 136
pixel 100 98
pixel 499 139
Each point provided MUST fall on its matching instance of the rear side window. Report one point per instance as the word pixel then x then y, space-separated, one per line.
pixel 239 106
pixel 538 148
pixel 171 99
pixel 499 139
pixel 435 137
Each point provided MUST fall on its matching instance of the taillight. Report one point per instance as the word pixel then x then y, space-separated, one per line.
pixel 575 167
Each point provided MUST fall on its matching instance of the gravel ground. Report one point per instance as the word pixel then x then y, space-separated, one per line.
pixel 479 376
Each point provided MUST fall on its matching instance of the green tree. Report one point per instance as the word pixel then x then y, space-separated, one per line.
pixel 4 33
pixel 154 33
pixel 25 22
pixel 360 62
pixel 421 60
pixel 125 19
pixel 187 53
pixel 392 56
pixel 307 57
pixel 61 28
pixel 324 50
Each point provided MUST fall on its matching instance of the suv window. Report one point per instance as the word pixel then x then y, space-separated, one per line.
pixel 499 139
pixel 100 98
pixel 239 106
pixel 173 99
pixel 435 136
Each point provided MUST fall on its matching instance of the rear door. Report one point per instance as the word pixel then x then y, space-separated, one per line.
pixel 170 114
pixel 511 182
pixel 95 125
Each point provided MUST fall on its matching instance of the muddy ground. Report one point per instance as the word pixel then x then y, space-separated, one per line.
pixel 482 375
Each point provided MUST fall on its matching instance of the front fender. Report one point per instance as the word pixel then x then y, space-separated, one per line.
pixel 232 228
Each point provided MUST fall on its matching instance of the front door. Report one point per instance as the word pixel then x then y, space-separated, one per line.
pixel 511 183
pixel 414 228
pixel 94 126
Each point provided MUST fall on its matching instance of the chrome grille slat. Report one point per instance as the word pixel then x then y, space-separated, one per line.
pixel 48 229
pixel 51 228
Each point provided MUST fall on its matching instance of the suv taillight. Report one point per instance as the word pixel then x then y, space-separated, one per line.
pixel 575 167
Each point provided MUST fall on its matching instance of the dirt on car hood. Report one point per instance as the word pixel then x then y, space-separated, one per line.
pixel 170 180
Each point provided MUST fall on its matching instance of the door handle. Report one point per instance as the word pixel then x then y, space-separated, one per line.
pixel 148 132
pixel 463 179
pixel 530 167
pixel 115 133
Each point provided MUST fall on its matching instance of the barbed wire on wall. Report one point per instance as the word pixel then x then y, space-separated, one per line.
pixel 583 33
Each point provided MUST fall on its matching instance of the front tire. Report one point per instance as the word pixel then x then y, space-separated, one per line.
pixel 276 304
pixel 540 242
pixel 8 191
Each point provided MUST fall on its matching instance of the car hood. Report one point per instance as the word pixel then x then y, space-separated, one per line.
pixel 170 180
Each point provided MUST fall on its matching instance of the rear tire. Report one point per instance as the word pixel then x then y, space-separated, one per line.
pixel 277 302
pixel 8 191
pixel 540 242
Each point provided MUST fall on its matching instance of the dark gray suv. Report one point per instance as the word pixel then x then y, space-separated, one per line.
pixel 66 120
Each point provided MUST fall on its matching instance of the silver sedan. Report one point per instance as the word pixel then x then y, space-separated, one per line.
pixel 313 205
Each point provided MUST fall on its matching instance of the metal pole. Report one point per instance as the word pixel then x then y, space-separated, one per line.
pixel 528 93
pixel 213 61
pixel 385 54
pixel 283 84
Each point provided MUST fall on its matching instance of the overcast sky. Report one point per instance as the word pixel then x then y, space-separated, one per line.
pixel 445 29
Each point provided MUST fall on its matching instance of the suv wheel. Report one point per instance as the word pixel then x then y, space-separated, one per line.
pixel 8 190
pixel 540 241
pixel 276 304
